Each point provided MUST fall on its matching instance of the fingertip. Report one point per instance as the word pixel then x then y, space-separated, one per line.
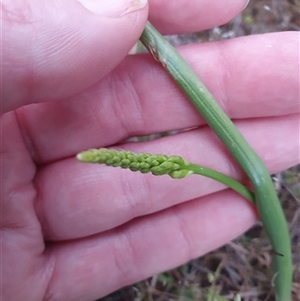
pixel 62 48
pixel 113 8
pixel 186 16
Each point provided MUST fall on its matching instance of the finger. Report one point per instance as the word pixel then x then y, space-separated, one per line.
pixel 21 235
pixel 190 15
pixel 77 200
pixel 247 77
pixel 146 246
pixel 55 49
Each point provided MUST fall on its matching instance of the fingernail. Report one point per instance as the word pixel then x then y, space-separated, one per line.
pixel 113 8
pixel 247 2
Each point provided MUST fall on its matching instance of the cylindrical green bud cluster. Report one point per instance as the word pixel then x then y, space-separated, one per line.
pixel 174 166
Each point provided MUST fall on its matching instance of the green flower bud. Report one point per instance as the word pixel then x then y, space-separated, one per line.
pixel 173 166
pixel 134 166
pixel 179 174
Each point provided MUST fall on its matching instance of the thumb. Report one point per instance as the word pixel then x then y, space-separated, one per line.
pixel 54 49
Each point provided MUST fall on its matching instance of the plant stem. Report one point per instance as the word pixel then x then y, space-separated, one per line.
pixel 220 177
pixel 266 200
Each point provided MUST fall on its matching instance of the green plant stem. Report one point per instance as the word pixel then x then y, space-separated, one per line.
pixel 266 200
pixel 228 181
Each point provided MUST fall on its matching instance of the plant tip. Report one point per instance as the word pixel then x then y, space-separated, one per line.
pixel 79 157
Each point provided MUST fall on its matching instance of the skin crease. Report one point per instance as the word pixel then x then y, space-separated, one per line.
pixel 67 227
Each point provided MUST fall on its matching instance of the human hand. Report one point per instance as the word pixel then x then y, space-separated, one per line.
pixel 77 232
